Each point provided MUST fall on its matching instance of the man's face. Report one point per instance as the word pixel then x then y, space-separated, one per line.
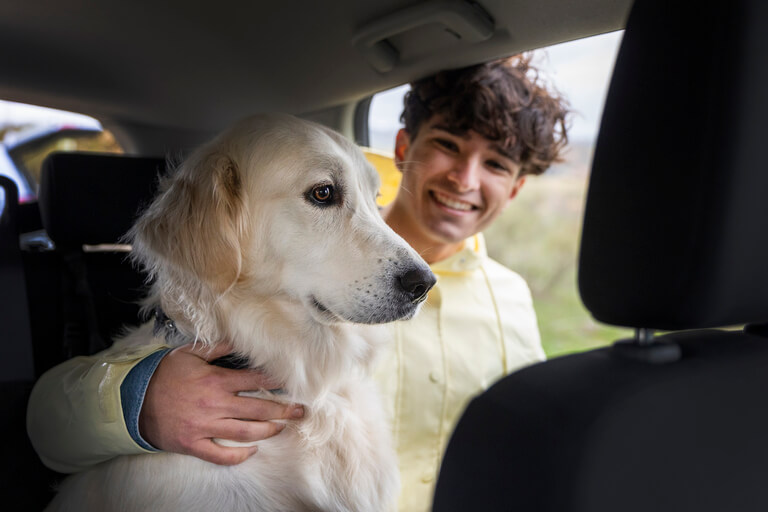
pixel 453 185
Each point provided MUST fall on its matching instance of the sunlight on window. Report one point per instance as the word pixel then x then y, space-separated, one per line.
pixel 29 133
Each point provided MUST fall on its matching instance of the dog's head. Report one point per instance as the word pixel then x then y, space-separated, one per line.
pixel 277 208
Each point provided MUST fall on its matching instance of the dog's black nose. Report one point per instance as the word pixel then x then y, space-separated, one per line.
pixel 416 282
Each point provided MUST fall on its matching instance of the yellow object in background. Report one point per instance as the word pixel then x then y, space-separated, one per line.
pixel 390 176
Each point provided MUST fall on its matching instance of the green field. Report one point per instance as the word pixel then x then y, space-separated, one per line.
pixel 537 236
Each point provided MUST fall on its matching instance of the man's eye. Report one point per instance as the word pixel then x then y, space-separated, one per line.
pixel 493 164
pixel 322 194
pixel 447 144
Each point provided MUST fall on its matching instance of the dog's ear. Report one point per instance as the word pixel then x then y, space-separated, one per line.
pixel 195 226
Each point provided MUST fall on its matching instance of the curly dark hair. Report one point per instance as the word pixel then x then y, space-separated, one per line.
pixel 503 100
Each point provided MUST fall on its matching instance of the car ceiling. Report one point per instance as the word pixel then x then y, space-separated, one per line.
pixel 193 67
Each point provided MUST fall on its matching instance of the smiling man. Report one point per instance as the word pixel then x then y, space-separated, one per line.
pixel 454 185
pixel 471 138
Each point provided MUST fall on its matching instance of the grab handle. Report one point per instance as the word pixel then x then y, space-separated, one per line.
pixel 464 19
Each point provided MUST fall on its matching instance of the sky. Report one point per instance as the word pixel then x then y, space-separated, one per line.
pixel 580 70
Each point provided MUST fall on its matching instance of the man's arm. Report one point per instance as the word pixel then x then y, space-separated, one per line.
pixel 76 416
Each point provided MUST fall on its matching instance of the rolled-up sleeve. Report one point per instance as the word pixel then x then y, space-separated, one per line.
pixel 75 416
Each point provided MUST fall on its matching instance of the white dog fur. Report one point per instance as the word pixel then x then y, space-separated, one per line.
pixel 244 246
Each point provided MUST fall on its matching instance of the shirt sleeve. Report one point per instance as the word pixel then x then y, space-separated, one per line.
pixel 75 416
pixel 132 392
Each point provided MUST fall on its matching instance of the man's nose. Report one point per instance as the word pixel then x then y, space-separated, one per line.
pixel 465 174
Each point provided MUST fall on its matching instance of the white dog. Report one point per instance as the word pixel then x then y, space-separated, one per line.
pixel 269 237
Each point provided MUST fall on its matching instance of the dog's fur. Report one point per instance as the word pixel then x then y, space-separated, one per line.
pixel 240 249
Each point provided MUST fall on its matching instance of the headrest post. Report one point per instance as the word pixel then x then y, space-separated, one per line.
pixel 644 336
pixel 646 348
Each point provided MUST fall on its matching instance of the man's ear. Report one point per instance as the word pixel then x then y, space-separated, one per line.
pixel 519 182
pixel 402 143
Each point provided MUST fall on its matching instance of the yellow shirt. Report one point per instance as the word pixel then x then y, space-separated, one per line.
pixel 477 325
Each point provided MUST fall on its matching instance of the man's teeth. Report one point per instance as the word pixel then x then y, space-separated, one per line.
pixel 450 203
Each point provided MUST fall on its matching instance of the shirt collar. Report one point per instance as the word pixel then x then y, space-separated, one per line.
pixel 468 258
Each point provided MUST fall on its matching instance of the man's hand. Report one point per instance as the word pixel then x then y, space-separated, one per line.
pixel 189 402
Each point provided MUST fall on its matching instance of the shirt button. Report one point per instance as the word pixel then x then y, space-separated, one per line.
pixel 428 479
pixel 434 377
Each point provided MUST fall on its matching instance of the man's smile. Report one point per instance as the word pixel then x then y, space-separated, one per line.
pixel 452 202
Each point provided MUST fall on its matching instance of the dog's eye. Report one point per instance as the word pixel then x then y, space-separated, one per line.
pixel 322 194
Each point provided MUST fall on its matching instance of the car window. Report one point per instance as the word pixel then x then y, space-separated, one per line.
pixel 538 234
pixel 29 133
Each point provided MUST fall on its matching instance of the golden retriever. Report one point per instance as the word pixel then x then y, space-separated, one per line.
pixel 269 237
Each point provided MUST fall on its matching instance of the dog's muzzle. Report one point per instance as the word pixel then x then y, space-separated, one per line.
pixel 416 283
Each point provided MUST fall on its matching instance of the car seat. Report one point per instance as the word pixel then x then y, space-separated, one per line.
pixel 86 287
pixel 16 360
pixel 16 346
pixel 674 240
pixel 81 292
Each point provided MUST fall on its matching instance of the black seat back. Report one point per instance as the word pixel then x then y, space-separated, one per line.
pixel 25 481
pixel 15 340
pixel 61 302
pixel 674 239
pixel 87 287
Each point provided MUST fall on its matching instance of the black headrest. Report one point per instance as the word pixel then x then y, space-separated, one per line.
pixel 675 233
pixel 9 204
pixel 89 198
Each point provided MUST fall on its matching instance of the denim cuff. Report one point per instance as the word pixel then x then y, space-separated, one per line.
pixel 132 392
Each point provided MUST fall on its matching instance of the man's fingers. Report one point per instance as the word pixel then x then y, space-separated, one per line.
pixel 234 430
pixel 246 380
pixel 247 431
pixel 236 379
pixel 208 450
pixel 258 409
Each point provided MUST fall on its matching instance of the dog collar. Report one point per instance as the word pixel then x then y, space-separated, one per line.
pixel 232 361
pixel 167 327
